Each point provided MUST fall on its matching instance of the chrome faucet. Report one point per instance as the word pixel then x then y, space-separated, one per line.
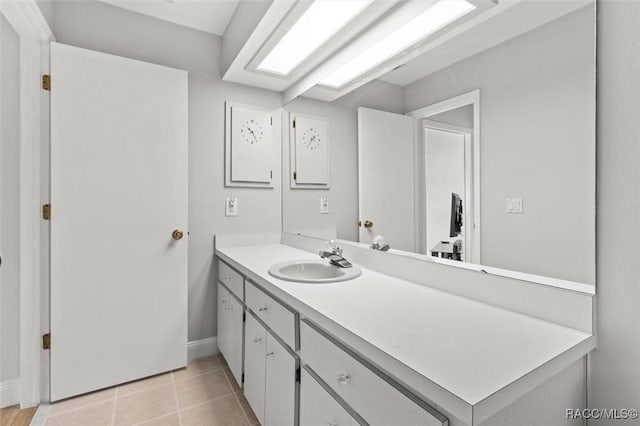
pixel 334 254
pixel 380 244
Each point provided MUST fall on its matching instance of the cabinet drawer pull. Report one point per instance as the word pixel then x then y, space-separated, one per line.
pixel 332 424
pixel 262 309
pixel 270 354
pixel 226 277
pixel 343 379
pixel 257 339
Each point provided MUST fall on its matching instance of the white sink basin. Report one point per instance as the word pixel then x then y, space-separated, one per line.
pixel 313 271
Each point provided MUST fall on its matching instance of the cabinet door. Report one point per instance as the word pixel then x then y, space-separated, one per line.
pixel 318 408
pixel 223 321
pixel 254 366
pixel 235 337
pixel 280 393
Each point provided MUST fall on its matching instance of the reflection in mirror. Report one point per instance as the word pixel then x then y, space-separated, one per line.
pixel 481 150
pixel 448 169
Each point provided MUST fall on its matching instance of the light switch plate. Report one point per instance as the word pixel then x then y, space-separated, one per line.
pixel 514 205
pixel 517 205
pixel 231 206
pixel 509 206
pixel 324 205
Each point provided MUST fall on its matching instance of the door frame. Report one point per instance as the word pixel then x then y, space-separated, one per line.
pixel 467 134
pixel 27 20
pixel 469 98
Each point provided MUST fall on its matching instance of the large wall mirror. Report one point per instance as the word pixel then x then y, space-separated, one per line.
pixel 479 151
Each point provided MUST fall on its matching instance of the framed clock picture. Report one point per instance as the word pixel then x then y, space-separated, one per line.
pixel 309 151
pixel 249 146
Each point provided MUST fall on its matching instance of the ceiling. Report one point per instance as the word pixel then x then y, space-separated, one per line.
pixel 509 24
pixel 212 16
pixel 249 39
pixel 491 23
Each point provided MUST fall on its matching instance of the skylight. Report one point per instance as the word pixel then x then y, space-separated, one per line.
pixel 319 23
pixel 429 21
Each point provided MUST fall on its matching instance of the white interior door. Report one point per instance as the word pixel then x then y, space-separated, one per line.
pixel 119 148
pixel 386 177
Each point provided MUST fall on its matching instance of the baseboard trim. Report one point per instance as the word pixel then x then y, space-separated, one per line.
pixel 9 393
pixel 40 417
pixel 202 348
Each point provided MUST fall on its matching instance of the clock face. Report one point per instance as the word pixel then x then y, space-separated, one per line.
pixel 252 132
pixel 311 138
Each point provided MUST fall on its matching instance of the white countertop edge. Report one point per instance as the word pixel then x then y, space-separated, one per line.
pixel 439 397
pixel 515 390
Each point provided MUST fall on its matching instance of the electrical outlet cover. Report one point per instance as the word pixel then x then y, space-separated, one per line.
pixel 231 206
pixel 324 205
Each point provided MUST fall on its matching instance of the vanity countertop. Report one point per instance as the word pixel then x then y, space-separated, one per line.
pixel 469 349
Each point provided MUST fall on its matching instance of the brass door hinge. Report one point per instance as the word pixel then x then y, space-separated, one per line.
pixel 46 211
pixel 46 82
pixel 46 341
pixel 295 175
pixel 294 124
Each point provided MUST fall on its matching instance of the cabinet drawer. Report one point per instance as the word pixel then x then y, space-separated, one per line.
pixel 230 278
pixel 277 317
pixel 318 408
pixel 372 397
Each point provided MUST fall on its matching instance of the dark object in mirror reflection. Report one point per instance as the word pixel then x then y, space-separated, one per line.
pixel 456 215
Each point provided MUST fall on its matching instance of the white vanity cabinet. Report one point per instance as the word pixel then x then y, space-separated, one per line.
pixel 275 315
pixel 317 407
pixel 362 386
pixel 255 366
pixel 259 335
pixel 311 361
pixel 231 279
pixel 230 320
pixel 270 376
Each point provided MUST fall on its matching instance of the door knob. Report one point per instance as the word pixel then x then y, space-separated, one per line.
pixel 177 234
pixel 368 224
pixel 344 378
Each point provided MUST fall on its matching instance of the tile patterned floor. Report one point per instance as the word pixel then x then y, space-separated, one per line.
pixel 203 394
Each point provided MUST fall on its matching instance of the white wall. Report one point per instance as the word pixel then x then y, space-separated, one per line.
pixel 105 28
pixel 445 174
pixel 301 211
pixel 615 364
pixel 537 109
pixel 9 202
